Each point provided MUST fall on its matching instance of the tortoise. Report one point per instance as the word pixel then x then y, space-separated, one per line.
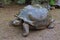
pixel 33 17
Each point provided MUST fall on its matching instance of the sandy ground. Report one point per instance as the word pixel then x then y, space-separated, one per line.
pixel 14 33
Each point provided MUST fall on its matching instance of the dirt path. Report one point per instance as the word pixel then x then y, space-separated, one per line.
pixel 13 33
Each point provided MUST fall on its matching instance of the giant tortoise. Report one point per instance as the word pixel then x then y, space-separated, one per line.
pixel 33 17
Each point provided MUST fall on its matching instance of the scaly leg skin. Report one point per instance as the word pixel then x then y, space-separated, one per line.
pixel 25 29
pixel 51 26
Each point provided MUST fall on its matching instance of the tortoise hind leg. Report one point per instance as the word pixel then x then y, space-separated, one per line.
pixel 51 25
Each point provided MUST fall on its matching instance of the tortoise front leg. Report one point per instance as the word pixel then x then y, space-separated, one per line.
pixel 25 29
